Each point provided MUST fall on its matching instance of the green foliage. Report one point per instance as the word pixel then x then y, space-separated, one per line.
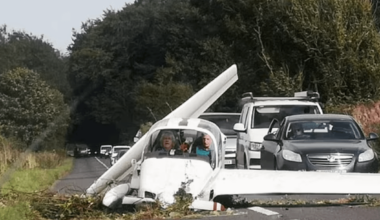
pixel 31 109
pixel 279 46
pixel 333 44
pixel 19 211
pixel 171 95
pixel 19 49
pixel 18 196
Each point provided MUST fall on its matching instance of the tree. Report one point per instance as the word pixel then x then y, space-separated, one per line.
pixel 171 95
pixel 19 49
pixel 285 46
pixel 30 109
pixel 279 46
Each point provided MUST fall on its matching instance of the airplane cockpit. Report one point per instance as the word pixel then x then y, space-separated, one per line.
pixel 181 142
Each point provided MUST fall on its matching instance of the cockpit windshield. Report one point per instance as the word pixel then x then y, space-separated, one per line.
pixel 183 143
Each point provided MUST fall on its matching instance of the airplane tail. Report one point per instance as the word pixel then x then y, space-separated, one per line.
pixel 193 107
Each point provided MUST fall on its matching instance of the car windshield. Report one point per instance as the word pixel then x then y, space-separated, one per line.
pixel 224 122
pixel 265 114
pixel 106 148
pixel 115 150
pixel 121 153
pixel 328 129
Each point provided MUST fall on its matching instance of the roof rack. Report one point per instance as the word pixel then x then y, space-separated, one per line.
pixel 304 95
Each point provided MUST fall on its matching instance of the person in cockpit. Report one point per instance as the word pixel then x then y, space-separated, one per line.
pixel 167 142
pixel 204 149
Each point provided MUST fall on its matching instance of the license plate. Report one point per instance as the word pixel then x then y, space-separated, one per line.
pixel 228 162
pixel 332 171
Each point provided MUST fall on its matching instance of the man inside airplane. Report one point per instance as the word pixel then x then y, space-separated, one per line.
pixel 205 148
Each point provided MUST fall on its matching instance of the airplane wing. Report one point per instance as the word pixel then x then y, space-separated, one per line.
pixel 192 108
pixel 238 182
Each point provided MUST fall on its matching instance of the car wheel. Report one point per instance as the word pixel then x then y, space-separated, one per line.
pixel 245 164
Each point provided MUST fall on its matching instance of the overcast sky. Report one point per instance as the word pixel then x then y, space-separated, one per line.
pixel 54 19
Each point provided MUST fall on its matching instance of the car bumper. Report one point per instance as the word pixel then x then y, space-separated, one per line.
pixel 362 167
pixel 254 159
pixel 229 161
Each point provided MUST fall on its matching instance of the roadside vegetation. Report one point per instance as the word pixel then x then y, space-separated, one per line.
pixel 25 176
pixel 367 114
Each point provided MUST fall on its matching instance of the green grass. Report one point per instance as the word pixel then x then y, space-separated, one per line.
pixel 15 194
pixel 18 211
pixel 33 180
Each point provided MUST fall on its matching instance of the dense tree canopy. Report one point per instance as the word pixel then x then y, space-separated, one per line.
pixel 127 59
pixel 33 90
pixel 19 49
pixel 31 109
pixel 135 65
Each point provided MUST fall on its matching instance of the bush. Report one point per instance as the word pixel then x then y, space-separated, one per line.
pixel 31 110
pixel 366 114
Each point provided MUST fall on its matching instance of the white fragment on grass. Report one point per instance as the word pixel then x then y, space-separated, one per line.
pixel 263 211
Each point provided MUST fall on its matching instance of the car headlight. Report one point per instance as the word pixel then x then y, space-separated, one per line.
pixel 291 156
pixel 366 155
pixel 254 146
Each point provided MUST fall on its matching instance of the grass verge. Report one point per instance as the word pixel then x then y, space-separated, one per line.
pixel 16 194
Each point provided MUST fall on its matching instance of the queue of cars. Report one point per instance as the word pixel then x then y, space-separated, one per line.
pixel 285 133
pixel 105 150
pixel 256 116
pixel 259 136
pixel 116 152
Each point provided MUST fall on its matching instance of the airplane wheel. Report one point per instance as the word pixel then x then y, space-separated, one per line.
pixel 225 200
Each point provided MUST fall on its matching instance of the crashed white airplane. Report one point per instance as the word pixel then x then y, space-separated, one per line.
pixel 159 176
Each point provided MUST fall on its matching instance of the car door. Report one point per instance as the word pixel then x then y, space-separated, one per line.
pixel 241 140
pixel 270 146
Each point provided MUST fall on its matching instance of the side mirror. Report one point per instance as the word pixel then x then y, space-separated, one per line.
pixel 239 127
pixel 270 137
pixel 372 137
pixel 135 139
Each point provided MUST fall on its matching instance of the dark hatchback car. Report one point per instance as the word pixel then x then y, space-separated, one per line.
pixel 329 142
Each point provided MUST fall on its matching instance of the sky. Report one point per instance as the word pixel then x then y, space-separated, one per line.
pixel 54 19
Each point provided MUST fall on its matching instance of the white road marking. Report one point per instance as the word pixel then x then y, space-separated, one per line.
pixel 101 163
pixel 263 211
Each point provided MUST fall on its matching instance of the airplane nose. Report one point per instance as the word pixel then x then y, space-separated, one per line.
pixel 166 199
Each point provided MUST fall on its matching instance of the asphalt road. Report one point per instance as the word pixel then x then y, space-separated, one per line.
pixel 87 169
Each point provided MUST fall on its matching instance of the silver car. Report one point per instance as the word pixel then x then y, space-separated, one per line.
pixel 115 151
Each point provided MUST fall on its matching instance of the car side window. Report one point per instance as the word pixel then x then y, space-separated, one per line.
pixel 243 118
